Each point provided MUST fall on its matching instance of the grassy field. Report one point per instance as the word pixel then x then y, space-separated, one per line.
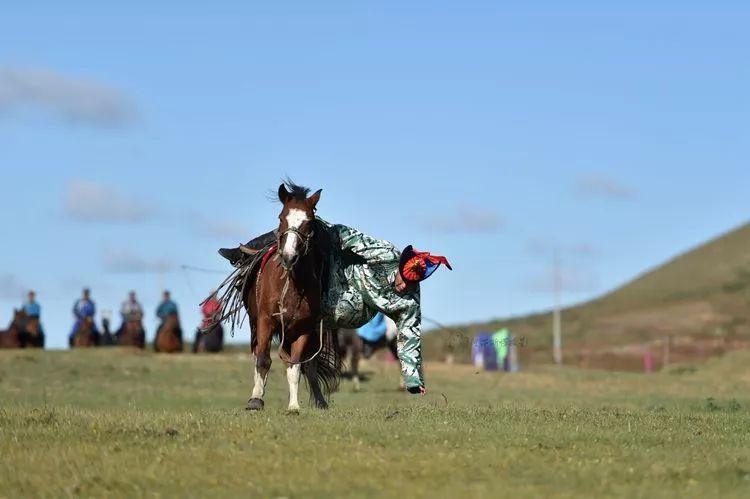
pixel 111 423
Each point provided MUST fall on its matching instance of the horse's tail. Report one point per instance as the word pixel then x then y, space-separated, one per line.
pixel 327 373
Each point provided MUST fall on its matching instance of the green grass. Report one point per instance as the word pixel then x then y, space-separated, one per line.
pixel 111 423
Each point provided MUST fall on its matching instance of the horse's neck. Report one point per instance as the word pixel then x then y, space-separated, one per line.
pixel 13 328
pixel 304 273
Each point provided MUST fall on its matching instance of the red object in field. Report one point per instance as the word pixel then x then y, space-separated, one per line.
pixel 648 362
pixel 209 309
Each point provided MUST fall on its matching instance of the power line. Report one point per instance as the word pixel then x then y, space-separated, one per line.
pixel 200 269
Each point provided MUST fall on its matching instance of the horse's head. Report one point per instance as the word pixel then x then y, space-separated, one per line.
pixel 295 222
pixel 19 318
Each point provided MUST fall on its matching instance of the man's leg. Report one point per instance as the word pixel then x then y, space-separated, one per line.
pixel 235 255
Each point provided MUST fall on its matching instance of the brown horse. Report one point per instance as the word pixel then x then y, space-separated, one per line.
pixel 286 300
pixel 85 335
pixel 350 344
pixel 32 335
pixel 168 337
pixel 353 347
pixel 11 337
pixel 132 334
pixel 210 341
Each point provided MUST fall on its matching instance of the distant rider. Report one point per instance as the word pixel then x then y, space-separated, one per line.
pixel 33 310
pixel 166 308
pixel 83 308
pixel 130 311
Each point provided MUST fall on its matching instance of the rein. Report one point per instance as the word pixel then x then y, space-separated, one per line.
pixel 281 313
pixel 306 238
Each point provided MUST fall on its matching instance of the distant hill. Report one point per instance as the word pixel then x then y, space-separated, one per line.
pixel 699 302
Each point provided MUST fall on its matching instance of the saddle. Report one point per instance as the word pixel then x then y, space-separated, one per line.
pixel 255 256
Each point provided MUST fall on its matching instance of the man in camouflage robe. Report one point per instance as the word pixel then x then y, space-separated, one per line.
pixel 367 275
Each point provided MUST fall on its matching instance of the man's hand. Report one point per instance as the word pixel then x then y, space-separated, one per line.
pixel 403 286
pixel 417 390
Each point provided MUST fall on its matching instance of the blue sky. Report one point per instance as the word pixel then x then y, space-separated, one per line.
pixel 138 138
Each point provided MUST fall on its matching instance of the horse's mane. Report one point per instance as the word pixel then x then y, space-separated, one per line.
pixel 298 192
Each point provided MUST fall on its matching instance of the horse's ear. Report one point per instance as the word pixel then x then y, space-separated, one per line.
pixel 313 200
pixel 283 194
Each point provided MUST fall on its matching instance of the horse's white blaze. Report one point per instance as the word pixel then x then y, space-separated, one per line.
pixel 293 376
pixel 260 385
pixel 294 220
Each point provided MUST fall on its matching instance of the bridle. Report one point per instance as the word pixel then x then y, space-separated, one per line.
pixel 305 238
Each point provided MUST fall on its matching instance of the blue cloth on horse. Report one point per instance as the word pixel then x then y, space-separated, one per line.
pixel 82 309
pixel 374 330
pixel 32 309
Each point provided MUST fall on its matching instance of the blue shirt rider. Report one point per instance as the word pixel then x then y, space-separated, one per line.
pixel 166 308
pixel 84 307
pixel 33 310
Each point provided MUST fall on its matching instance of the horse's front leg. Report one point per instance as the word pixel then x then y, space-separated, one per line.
pixel 262 364
pixel 293 374
pixel 294 370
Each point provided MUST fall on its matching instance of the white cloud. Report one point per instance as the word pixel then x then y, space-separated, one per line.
pixel 11 288
pixel 93 202
pixel 225 230
pixel 124 261
pixel 464 219
pixel 602 186
pixel 74 100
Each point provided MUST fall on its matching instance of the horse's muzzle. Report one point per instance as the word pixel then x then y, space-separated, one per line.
pixel 288 262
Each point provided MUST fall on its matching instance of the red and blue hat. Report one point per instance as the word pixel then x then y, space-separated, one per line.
pixel 416 266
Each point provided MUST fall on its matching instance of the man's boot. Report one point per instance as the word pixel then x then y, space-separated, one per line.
pixel 238 254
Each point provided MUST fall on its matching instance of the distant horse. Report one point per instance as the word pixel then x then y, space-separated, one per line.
pixel 11 337
pixel 349 342
pixel 286 300
pixel 212 341
pixel 85 335
pixel 132 334
pixel 108 339
pixel 168 338
pixel 32 335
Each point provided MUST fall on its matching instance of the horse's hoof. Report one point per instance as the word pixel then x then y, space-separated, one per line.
pixel 255 405
pixel 292 412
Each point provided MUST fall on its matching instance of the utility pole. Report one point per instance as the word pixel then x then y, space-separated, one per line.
pixel 556 317
pixel 161 282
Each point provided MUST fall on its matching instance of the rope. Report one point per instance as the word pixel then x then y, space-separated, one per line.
pixel 281 313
